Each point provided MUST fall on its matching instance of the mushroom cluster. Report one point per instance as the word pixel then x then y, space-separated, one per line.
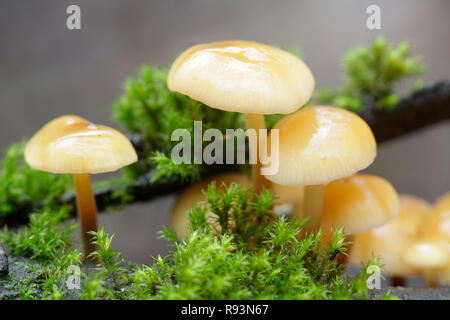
pixel 416 243
pixel 321 150
pixel 317 145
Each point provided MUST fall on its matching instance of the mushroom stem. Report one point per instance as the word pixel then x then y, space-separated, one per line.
pixel 398 281
pixel 312 206
pixel 256 121
pixel 87 211
pixel 430 278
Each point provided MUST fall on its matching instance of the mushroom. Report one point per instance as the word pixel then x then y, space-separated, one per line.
pixel 286 198
pixel 429 257
pixel 436 228
pixel 388 240
pixel 317 145
pixel 247 77
pixel 71 144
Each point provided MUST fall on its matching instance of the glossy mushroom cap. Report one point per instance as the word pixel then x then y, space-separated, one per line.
pixel 71 144
pixel 390 239
pixel 425 255
pixel 285 196
pixel 359 203
pixel 242 76
pixel 288 199
pixel 190 197
pixel 321 144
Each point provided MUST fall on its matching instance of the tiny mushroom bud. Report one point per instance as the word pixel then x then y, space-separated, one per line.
pixel 247 77
pixel 388 240
pixel 318 145
pixel 357 203
pixel 71 144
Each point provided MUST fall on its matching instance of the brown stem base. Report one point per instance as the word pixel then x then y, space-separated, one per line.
pixel 398 281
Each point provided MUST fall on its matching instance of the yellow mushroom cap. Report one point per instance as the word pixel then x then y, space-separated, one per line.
pixel 425 255
pixel 242 76
pixel 71 144
pixel 390 239
pixel 321 144
pixel 359 203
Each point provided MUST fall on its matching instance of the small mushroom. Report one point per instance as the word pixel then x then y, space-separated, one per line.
pixel 241 76
pixel 70 144
pixel 436 228
pixel 388 240
pixel 429 257
pixel 357 204
pixel 317 145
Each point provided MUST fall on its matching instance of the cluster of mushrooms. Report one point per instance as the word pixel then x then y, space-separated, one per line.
pixel 321 150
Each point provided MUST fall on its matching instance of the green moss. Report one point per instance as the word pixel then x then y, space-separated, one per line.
pixel 43 238
pixel 371 74
pixel 21 186
pixel 236 248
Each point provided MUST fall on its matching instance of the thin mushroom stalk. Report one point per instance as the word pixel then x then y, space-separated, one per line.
pixel 256 122
pixel 313 205
pixel 430 278
pixel 87 212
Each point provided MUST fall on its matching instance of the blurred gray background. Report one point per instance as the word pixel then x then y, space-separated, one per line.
pixel 47 70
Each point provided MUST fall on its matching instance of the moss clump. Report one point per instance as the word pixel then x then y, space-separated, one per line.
pixel 371 74
pixel 21 186
pixel 236 248
pixel 47 244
